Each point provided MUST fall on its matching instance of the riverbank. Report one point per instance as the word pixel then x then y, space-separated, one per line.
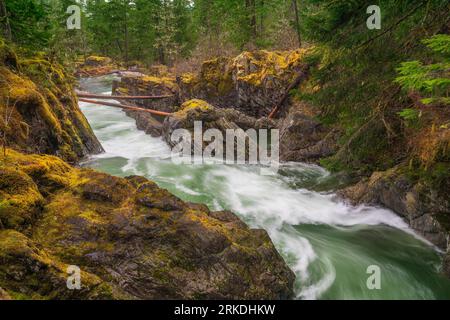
pixel 327 243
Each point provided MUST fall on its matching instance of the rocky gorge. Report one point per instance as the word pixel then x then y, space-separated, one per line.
pixel 130 238
pixel 240 92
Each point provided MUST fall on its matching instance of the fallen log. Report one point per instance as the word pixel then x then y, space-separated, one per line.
pixel 280 103
pixel 134 108
pixel 106 97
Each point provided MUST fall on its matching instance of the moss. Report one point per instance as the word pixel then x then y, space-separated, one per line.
pixel 29 272
pixel 97 61
pixel 20 200
pixel 168 82
pixel 194 104
pixel 117 230
pixel 259 67
pixel 45 115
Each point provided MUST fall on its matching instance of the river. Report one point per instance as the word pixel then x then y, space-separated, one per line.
pixel 327 243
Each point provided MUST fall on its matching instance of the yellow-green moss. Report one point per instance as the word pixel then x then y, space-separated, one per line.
pixel 39 275
pixel 43 89
pixel 168 82
pixel 255 67
pixel 20 199
pixel 194 104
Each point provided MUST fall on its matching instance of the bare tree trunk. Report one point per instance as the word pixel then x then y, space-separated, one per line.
pixel 250 6
pixel 297 23
pixel 261 19
pixel 126 36
pixel 5 18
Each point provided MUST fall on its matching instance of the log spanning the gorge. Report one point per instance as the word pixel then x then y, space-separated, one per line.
pixel 123 106
pixel 107 97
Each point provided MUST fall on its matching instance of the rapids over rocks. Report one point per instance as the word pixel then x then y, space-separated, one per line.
pixel 326 242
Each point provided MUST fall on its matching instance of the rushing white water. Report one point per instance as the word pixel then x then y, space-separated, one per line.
pixel 327 243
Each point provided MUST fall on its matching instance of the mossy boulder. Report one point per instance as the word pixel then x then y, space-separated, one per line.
pixel 131 239
pixel 96 61
pixel 20 199
pixel 93 66
pixel 252 82
pixel 42 111
pixel 29 272
pixel 221 119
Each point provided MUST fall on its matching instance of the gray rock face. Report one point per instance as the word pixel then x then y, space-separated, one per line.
pixel 146 122
pixel 423 208
pixel 212 118
pixel 304 139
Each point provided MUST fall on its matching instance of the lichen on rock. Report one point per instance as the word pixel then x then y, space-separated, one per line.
pixel 95 66
pixel 252 82
pixel 130 238
pixel 43 113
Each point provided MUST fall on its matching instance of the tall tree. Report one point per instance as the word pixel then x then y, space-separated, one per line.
pixel 297 22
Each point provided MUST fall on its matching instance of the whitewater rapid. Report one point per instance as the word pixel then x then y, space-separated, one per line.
pixel 290 215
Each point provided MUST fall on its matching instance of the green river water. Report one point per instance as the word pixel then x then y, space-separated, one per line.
pixel 327 243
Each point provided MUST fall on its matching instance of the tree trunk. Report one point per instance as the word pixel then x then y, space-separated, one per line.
pixel 5 18
pixel 126 36
pixel 297 23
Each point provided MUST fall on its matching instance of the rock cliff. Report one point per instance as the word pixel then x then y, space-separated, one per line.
pixel 39 110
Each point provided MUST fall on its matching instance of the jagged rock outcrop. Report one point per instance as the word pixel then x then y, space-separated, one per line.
pixel 130 239
pixel 41 110
pixel 303 138
pixel 211 118
pixel 94 66
pixel 424 208
pixel 146 122
pixel 253 82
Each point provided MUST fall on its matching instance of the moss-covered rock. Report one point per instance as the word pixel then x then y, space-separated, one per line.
pixel 221 119
pixel 93 66
pixel 252 82
pixel 130 238
pixel 29 272
pixel 42 111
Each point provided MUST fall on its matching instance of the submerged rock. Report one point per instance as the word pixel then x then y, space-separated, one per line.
pixel 130 238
